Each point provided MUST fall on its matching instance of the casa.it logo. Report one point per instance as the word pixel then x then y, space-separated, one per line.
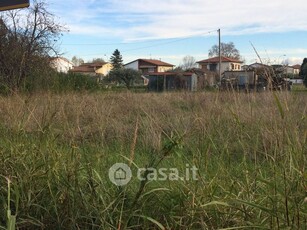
pixel 120 174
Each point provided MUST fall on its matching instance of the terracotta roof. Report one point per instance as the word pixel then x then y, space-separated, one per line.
pixel 217 60
pixel 83 69
pixel 256 64
pixel 296 66
pixel 96 64
pixel 157 62
pixel 62 58
pixel 153 62
pixel 88 67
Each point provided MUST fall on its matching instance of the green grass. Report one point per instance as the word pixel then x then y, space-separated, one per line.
pixel 299 88
pixel 250 150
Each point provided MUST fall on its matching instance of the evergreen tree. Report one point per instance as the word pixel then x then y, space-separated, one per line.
pixel 303 71
pixel 116 60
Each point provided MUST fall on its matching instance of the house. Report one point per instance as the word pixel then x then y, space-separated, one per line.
pixel 149 66
pixel 93 69
pixel 105 69
pixel 289 70
pixel 61 64
pixel 292 70
pixel 256 65
pixel 278 69
pixel 296 69
pixel 227 64
pixel 169 81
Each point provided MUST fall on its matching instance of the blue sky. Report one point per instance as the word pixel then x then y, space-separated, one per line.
pixel 171 29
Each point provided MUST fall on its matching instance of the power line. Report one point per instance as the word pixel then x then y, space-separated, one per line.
pixel 144 47
pixel 136 42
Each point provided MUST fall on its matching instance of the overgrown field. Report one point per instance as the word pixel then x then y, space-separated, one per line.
pixel 250 151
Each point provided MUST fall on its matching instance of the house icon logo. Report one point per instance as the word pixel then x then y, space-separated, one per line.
pixel 120 174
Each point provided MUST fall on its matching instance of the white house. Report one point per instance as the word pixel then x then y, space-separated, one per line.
pixel 61 64
pixel 296 69
pixel 149 66
pixel 227 64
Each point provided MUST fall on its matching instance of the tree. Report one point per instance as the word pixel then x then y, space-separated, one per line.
pixel 121 74
pixel 116 60
pixel 77 61
pixel 227 50
pixel 303 71
pixel 125 76
pixel 188 62
pixel 28 38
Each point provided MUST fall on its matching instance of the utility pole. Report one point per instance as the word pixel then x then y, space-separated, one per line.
pixel 220 57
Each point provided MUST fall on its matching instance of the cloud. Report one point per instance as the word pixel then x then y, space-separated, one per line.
pixel 290 56
pixel 293 61
pixel 143 19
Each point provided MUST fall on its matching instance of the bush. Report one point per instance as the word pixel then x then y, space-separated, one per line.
pixel 60 82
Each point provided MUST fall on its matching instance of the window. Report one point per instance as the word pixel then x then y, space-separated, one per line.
pixel 151 70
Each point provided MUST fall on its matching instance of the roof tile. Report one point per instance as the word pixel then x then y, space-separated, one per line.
pixel 217 59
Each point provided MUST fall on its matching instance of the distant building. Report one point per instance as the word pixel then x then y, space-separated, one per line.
pixel 61 64
pixel 105 69
pixel 227 64
pixel 283 69
pixel 256 65
pixel 149 66
pixel 296 69
pixel 292 70
pixel 93 69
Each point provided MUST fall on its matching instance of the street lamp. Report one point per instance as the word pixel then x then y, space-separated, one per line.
pixel 283 55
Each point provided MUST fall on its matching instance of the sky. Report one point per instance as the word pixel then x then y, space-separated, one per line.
pixel 169 30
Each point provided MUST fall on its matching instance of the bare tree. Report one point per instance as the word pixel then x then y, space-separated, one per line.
pixel 98 60
pixel 28 38
pixel 188 62
pixel 77 61
pixel 227 50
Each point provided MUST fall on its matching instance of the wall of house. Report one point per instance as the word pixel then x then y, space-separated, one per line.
pixel 289 70
pixel 133 65
pixel 145 67
pixel 296 71
pixel 164 68
pixel 230 66
pixel 105 69
pixel 61 65
pixel 226 66
pixel 149 69
pixel 235 66
pixel 205 66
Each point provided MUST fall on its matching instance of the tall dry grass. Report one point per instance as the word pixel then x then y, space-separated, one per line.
pixel 250 150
